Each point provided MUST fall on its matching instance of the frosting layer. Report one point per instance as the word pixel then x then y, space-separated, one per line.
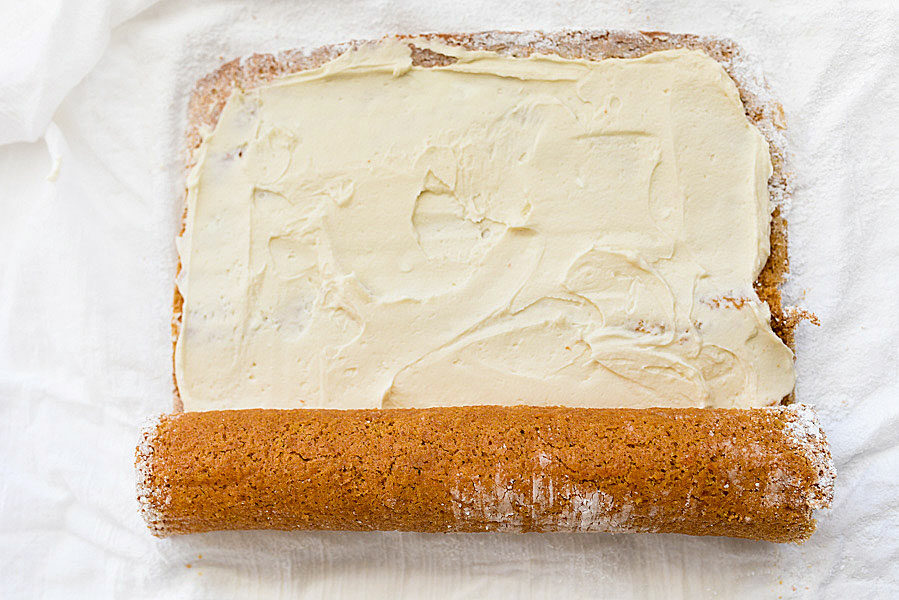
pixel 496 231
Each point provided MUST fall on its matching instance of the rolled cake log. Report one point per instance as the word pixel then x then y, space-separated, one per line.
pixel 755 473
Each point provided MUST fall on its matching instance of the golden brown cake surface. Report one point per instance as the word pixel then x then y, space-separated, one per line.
pixel 755 473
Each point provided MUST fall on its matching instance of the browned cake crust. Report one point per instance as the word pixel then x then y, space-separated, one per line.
pixel 745 473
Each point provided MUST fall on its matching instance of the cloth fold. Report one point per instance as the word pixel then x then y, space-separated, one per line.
pixel 48 47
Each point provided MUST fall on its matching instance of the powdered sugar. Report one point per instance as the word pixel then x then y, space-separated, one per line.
pixel 148 492
pixel 581 507
pixel 572 507
pixel 803 429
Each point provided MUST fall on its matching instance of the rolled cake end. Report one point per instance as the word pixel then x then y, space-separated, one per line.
pixel 755 474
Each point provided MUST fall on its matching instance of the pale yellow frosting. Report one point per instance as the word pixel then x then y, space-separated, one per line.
pixel 497 231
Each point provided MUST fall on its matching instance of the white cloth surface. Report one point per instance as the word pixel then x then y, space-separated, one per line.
pixel 93 101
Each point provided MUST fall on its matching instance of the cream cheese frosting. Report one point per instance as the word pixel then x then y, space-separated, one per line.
pixel 499 230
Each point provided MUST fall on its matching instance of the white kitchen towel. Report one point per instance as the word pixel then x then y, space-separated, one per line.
pixel 93 99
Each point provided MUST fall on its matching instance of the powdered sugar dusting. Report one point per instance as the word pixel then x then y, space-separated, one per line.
pixel 147 492
pixel 803 429
pixel 803 434
pixel 572 507
pixel 557 505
